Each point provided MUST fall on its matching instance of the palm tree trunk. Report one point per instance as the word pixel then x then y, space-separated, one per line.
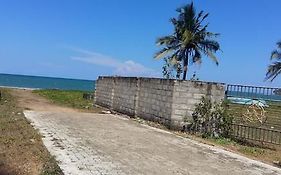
pixel 184 72
pixel 185 64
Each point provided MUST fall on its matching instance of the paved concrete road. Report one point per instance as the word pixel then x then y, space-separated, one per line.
pixel 107 144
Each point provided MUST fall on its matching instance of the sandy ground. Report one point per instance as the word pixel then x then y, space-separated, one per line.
pixel 32 101
pixel 85 143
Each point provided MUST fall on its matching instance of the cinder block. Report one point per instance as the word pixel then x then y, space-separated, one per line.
pixel 179 112
pixel 198 96
pixel 186 95
pixel 180 100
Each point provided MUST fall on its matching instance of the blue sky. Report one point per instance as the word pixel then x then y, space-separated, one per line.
pixel 87 38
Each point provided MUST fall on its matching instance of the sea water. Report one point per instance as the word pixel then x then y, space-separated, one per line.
pixel 38 82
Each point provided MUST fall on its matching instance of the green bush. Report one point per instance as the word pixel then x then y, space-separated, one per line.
pixel 212 119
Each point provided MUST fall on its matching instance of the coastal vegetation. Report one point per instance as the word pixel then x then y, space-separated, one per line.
pixel 214 122
pixel 212 119
pixel 21 147
pixel 187 44
pixel 69 98
pixel 275 68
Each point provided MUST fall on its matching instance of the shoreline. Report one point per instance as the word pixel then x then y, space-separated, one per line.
pixel 32 89
pixel 21 88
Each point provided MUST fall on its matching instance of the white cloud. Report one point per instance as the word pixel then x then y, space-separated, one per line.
pixel 119 68
pixel 131 68
pixel 99 60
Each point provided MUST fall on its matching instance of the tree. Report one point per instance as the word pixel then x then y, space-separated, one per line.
pixel 189 41
pixel 168 69
pixel 275 68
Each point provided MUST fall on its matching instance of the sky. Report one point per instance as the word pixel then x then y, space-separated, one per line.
pixel 84 39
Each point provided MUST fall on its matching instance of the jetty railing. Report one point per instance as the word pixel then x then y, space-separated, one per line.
pixel 254 92
pixel 253 122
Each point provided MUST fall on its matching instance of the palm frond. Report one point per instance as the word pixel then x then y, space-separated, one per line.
pixel 279 44
pixel 273 71
pixel 275 55
pixel 197 58
pixel 200 14
pixel 189 16
pixel 174 58
pixel 174 21
pixel 166 40
pixel 212 35
pixel 210 45
pixel 163 52
pixel 213 57
pixel 200 20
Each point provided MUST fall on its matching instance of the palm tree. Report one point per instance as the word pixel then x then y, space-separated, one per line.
pixel 189 41
pixel 275 68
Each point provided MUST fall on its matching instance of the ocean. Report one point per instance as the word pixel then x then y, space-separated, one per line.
pixel 251 95
pixel 38 82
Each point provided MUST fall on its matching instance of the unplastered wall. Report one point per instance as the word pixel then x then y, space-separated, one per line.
pixel 155 99
pixel 125 94
pixel 170 102
pixel 104 91
pixel 187 94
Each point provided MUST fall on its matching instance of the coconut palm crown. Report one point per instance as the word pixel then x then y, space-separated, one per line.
pixel 275 68
pixel 190 39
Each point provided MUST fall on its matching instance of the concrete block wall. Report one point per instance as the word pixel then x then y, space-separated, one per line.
pixel 170 102
pixel 155 99
pixel 125 92
pixel 189 93
pixel 104 91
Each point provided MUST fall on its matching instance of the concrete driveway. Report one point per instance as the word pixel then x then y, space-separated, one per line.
pixel 85 143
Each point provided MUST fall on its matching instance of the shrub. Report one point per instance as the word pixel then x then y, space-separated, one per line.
pixel 211 119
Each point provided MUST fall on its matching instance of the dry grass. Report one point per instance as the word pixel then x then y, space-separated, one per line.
pixel 21 147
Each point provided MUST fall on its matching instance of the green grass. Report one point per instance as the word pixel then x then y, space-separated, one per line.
pixel 252 151
pixel 69 98
pixel 273 113
pixel 21 147
pixel 224 141
pixel 240 146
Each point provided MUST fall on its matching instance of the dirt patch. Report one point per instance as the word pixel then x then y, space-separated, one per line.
pixel 21 147
pixel 31 101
